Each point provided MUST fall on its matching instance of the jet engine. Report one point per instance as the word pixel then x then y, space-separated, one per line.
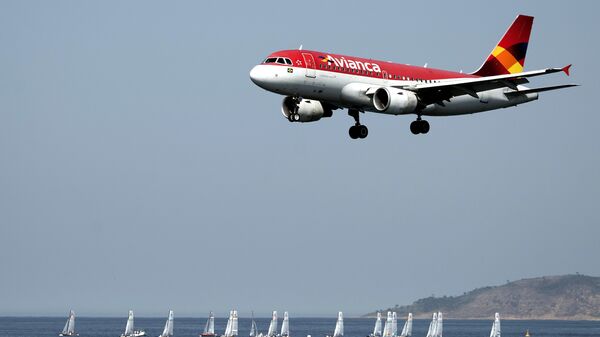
pixel 304 110
pixel 394 101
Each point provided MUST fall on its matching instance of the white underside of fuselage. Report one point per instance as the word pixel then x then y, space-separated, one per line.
pixel 327 86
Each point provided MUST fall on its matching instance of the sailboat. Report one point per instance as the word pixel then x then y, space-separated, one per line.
pixel 254 329
pixel 387 329
pixel 129 328
pixel 496 326
pixel 69 329
pixel 209 328
pixel 439 325
pixel 339 326
pixel 273 326
pixel 168 330
pixel 285 325
pixel 407 328
pixel 234 324
pixel 432 326
pixel 377 329
pixel 231 329
pixel 394 324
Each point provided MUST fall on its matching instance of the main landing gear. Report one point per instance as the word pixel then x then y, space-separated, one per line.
pixel 357 130
pixel 419 126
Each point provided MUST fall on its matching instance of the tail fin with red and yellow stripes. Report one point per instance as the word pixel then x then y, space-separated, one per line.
pixel 509 55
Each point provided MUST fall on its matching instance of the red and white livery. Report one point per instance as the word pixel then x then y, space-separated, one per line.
pixel 317 83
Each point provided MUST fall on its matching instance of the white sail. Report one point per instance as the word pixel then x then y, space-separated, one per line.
pixel 273 326
pixel 209 328
pixel 407 328
pixel 69 328
pixel 234 324
pixel 339 326
pixel 387 329
pixel 377 328
pixel 496 331
pixel 394 324
pixel 228 327
pixel 432 325
pixel 66 328
pixel 439 325
pixel 168 330
pixel 129 326
pixel 285 325
pixel 253 329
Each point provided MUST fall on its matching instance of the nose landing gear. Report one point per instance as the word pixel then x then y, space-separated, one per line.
pixel 419 126
pixel 357 130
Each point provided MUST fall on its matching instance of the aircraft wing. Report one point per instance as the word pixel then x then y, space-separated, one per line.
pixel 442 91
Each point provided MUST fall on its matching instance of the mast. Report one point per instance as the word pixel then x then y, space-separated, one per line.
pixel 394 324
pixel 285 326
pixel 129 326
pixel 377 329
pixel 407 328
pixel 273 326
pixel 339 326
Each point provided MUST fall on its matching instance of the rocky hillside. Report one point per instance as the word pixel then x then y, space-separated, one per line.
pixel 550 297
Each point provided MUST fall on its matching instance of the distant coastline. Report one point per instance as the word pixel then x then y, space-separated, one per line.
pixel 564 297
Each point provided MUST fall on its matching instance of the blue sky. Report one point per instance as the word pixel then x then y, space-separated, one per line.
pixel 140 168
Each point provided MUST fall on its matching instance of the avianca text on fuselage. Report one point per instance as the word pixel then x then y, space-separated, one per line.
pixel 351 64
pixel 315 84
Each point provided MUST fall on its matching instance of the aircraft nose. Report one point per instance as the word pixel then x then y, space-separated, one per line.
pixel 256 75
pixel 261 76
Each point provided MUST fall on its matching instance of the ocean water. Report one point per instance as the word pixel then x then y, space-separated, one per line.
pixel 299 327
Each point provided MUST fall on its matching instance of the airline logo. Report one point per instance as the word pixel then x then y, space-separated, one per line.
pixel 343 62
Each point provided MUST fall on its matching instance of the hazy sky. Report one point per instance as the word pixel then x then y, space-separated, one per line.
pixel 141 168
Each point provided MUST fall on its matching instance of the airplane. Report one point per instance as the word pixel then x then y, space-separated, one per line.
pixel 316 83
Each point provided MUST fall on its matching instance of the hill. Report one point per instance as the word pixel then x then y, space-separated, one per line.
pixel 568 297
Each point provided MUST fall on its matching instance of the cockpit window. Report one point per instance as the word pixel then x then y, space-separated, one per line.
pixel 278 60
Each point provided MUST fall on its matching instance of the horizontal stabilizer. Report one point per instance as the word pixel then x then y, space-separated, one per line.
pixel 529 91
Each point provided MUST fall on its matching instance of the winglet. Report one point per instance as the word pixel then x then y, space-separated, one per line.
pixel 566 69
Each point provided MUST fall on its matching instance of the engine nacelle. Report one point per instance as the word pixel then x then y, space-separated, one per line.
pixel 304 110
pixel 394 101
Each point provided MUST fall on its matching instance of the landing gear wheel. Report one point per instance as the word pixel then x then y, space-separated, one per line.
pixel 419 126
pixel 354 132
pixel 424 127
pixel 290 117
pixel 363 132
pixel 414 128
pixel 296 117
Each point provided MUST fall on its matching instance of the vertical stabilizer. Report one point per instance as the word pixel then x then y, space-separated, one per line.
pixel 508 57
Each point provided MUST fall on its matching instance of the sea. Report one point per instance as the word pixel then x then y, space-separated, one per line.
pixel 299 327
